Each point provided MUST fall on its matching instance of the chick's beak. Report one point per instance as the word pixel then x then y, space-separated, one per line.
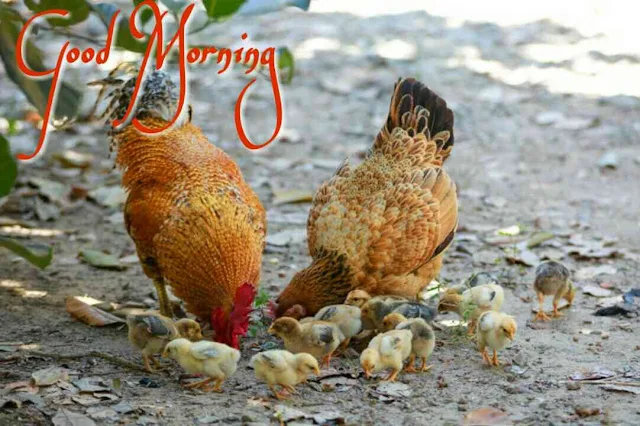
pixel 510 335
pixel 316 371
pixel 367 373
pixel 271 331
pixel 165 354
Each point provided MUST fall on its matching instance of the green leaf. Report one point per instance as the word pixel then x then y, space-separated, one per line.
pixel 37 91
pixel 218 9
pixel 101 260
pixel 37 254
pixel 8 166
pixel 146 13
pixel 286 62
pixel 123 36
pixel 79 10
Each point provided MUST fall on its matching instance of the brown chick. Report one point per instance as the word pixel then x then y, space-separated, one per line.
pixel 357 298
pixel 553 278
pixel 318 338
pixel 495 331
pixel 384 225
pixel 374 311
pixel 150 332
pixel 422 342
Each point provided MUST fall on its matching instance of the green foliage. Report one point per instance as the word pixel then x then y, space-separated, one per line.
pixel 39 255
pixel 79 10
pixel 123 36
pixel 261 298
pixel 8 166
pixel 37 91
pixel 220 9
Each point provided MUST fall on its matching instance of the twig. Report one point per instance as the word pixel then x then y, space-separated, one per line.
pixel 93 354
pixel 604 382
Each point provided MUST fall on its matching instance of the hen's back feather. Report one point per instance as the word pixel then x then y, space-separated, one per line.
pixel 398 209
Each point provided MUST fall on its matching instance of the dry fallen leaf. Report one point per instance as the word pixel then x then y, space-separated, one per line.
pixel 486 416
pixel 292 196
pixel 69 418
pixel 49 376
pixel 587 412
pixel 88 314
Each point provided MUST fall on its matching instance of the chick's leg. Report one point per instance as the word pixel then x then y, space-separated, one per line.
pixel 392 376
pixel 556 313
pixel 217 387
pixel 424 367
pixel 278 395
pixel 327 360
pixel 291 389
pixel 147 366
pixel 495 361
pixel 157 363
pixel 343 346
pixel 199 384
pixel 541 316
pixel 485 356
pixel 163 298
pixel 410 368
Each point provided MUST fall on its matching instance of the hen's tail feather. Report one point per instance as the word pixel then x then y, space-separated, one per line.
pixel 416 109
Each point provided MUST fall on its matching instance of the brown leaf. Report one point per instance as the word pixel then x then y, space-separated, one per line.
pixel 486 416
pixel 88 314
pixel 587 412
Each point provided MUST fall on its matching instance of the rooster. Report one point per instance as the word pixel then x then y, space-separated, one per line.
pixel 383 226
pixel 196 224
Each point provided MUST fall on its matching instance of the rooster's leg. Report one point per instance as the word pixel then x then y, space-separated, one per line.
pixel 163 298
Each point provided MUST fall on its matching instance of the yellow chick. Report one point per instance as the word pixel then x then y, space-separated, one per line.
pixel 495 331
pixel 346 317
pixel 472 302
pixel 150 332
pixel 217 361
pixel 386 351
pixel 278 367
pixel 422 342
pixel 318 338
pixel 553 278
pixel 357 298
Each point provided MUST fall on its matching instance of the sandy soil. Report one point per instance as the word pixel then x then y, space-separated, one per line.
pixel 527 152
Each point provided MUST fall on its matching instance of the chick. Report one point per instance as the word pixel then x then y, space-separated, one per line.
pixel 375 309
pixel 422 342
pixel 150 332
pixel 215 360
pixel 278 367
pixel 495 331
pixel 318 338
pixel 357 298
pixel 472 302
pixel 387 351
pixel 346 317
pixel 553 278
pixel 416 310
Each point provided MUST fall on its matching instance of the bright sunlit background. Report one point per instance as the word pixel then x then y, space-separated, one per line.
pixel 607 27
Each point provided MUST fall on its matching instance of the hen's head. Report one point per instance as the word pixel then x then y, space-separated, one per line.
pixel 327 281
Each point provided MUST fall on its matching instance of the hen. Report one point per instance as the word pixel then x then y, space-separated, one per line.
pixel 197 225
pixel 383 226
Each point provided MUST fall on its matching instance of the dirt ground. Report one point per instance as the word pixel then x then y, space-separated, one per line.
pixel 541 142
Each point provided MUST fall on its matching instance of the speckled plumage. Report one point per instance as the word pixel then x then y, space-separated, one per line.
pixel 390 218
pixel 196 223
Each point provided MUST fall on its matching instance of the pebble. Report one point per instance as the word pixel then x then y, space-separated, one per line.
pixel 573 386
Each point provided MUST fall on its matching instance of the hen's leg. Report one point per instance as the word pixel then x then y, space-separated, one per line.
pixel 163 298
pixel 541 316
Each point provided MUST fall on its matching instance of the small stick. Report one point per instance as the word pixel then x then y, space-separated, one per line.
pixel 606 382
pixel 93 354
